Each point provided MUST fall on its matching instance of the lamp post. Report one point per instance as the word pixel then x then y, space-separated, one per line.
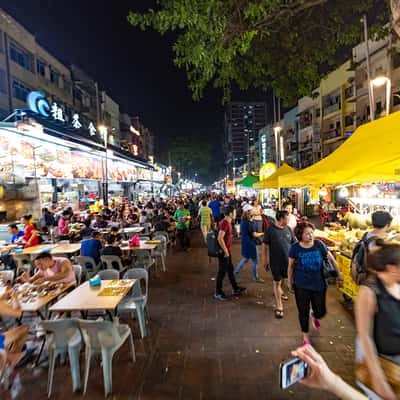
pixel 104 133
pixel 277 131
pixel 379 81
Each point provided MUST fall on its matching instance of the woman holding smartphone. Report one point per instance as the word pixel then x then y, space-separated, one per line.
pixel 305 276
pixel 378 320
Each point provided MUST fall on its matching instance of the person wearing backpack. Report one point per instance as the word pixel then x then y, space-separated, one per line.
pixel 381 221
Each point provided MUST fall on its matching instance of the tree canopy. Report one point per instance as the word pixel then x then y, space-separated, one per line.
pixel 283 44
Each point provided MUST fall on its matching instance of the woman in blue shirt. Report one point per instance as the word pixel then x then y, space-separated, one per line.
pixel 249 245
pixel 305 276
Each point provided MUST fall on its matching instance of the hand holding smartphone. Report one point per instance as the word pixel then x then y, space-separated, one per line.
pixel 292 371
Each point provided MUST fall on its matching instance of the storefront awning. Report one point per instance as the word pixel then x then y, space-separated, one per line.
pixel 371 154
pixel 248 181
pixel 272 182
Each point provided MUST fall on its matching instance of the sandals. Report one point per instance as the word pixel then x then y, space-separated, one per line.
pixel 284 297
pixel 278 314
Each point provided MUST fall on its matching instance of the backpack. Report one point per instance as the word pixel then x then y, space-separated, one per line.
pixel 359 270
pixel 213 247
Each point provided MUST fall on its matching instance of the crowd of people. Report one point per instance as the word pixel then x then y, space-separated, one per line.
pixel 280 241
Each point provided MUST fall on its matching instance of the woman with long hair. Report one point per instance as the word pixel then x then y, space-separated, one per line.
pixel 377 313
pixel 305 276
pixel 249 244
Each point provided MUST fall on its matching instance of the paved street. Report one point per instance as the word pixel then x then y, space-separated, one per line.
pixel 200 349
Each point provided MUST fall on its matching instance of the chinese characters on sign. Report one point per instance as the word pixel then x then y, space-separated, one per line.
pixel 38 104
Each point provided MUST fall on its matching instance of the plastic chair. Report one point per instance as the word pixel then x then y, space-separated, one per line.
pixel 161 250
pixel 144 237
pixel 109 274
pixel 111 261
pixel 162 233
pixel 84 261
pixel 78 273
pixel 23 263
pixel 105 338
pixel 144 259
pixel 7 276
pixel 65 338
pixel 137 301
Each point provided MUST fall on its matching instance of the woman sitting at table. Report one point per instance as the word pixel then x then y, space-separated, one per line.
pixel 114 233
pixel 54 269
pixel 31 232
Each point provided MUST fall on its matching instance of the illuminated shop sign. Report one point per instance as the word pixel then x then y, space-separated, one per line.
pixel 38 104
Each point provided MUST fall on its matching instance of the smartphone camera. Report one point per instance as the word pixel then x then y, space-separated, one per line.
pixel 292 371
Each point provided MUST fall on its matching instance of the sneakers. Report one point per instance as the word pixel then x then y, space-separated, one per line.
pixel 315 323
pixel 239 290
pixel 258 280
pixel 220 296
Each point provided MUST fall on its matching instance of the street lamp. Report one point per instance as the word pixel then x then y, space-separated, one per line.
pixel 104 133
pixel 379 81
pixel 278 144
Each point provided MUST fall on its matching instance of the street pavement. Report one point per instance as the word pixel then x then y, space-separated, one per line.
pixel 202 349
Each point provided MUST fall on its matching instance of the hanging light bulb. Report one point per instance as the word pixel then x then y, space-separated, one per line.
pixel 373 191
pixel 323 192
pixel 344 192
pixel 363 192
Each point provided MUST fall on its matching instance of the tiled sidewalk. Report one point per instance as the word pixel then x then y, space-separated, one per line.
pixel 201 349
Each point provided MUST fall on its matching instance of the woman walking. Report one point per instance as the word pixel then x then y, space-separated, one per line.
pixel 305 276
pixel 378 322
pixel 249 244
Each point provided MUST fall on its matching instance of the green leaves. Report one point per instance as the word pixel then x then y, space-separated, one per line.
pixel 284 44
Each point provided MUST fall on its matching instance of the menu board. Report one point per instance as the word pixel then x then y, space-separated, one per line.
pixel 20 156
pixel 121 172
pixel 144 174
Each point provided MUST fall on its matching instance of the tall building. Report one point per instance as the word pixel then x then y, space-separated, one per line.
pixel 110 118
pixel 243 121
pixel 25 66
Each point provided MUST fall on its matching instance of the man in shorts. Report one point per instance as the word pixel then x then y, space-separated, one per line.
pixel 278 238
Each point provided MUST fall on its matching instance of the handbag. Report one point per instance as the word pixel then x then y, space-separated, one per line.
pixel 390 369
pixel 328 270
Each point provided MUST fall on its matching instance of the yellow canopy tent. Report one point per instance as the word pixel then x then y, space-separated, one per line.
pixel 371 154
pixel 272 182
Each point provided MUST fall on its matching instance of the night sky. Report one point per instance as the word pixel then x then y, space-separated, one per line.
pixel 134 67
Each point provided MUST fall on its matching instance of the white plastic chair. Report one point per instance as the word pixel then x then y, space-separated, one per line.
pixel 105 338
pixel 23 263
pixel 109 274
pixel 137 300
pixel 161 250
pixel 84 261
pixel 111 261
pixel 64 338
pixel 144 259
pixel 78 273
pixel 7 276
pixel 162 233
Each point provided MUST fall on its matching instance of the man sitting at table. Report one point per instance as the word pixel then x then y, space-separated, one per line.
pixel 54 269
pixel 15 235
pixel 91 247
pixel 112 249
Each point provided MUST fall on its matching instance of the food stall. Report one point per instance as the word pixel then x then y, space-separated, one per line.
pixel 364 170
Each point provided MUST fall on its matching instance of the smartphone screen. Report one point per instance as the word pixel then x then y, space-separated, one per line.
pixel 292 371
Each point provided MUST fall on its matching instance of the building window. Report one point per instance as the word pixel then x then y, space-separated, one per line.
pixel 67 86
pixel 54 77
pixel 20 91
pixel 3 81
pixel 41 67
pixel 21 57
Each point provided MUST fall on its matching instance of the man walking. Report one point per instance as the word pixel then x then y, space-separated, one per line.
pixel 215 206
pixel 182 218
pixel 205 214
pixel 278 238
pixel 225 265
